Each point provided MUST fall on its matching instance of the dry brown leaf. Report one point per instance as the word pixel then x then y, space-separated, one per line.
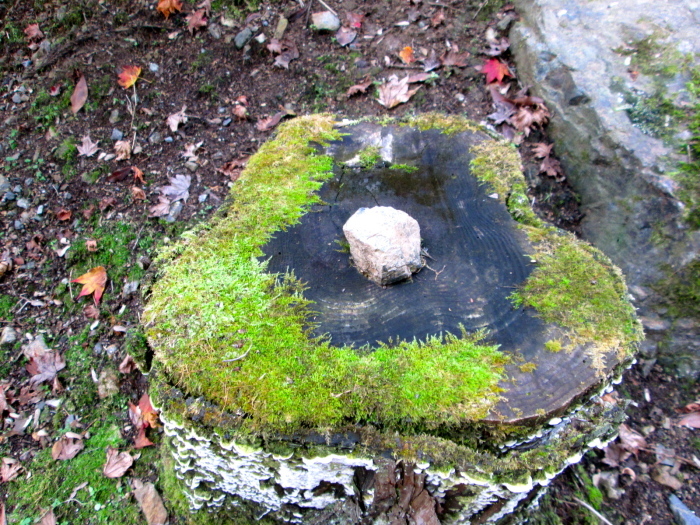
pixel 552 168
pixel 168 7
pixel 176 119
pixel 141 441
pixel 358 88
pixel 692 420
pixel 123 150
pixel 44 363
pixel 206 5
pixel 438 18
pixel 138 175
pixel 3 399
pixel 67 447
pixel 150 502
pixel 79 96
pixel 615 454
pixel 9 469
pixel 345 36
pixel 406 55
pixel 178 189
pixel 119 174
pixel 117 463
pixel 161 209
pixel 91 312
pixel 88 148
pixel 63 214
pixel 240 112
pixel 631 440
pixel 454 58
pixel 190 152
pixel 3 518
pixel 394 92
pixel 127 365
pixel 93 281
pixel 662 475
pixel 267 124
pixel 33 32
pixel 196 20
pixel 138 194
pixel 542 150
pixel 49 518
pixel 106 202
pixel 288 53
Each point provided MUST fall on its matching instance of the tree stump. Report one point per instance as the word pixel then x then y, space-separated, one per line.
pixel 294 389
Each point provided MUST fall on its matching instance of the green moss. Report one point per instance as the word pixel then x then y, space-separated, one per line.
pixel 554 345
pixel 448 124
pixel 7 303
pixel 227 307
pixel 682 290
pixel 103 500
pixel 369 157
pixel 403 167
pixel 528 367
pixel 46 109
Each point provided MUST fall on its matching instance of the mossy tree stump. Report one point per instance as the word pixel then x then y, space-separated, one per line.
pixel 293 388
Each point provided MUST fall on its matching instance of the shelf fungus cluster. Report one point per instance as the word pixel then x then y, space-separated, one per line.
pixel 293 389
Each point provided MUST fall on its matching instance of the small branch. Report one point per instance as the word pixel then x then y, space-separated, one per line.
pixel 593 511
pixel 324 4
pixel 239 357
pixel 483 4
pixel 342 393
pixel 436 272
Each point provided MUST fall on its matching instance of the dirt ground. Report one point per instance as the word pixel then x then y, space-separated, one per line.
pixel 64 211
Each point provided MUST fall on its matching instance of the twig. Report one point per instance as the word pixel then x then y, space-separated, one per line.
pixel 308 13
pixel 324 4
pixel 593 511
pixel 138 236
pixel 342 393
pixel 483 4
pixel 436 272
pixel 239 357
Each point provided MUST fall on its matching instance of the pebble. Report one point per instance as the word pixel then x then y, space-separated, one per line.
pixel 175 210
pixel 9 335
pixel 214 31
pixel 19 225
pixel 97 349
pixel 192 166
pixel 130 287
pixel 117 135
pixel 227 122
pixel 202 197
pixel 114 118
pixel 168 139
pixel 243 37
pixel 111 350
pixel 221 110
pixel 16 98
pixel 4 184
pixel 154 137
pixel 153 67
pixel 28 181
pixel 23 203
pixel 9 196
pixel 17 189
pixel 325 21
pixel 683 514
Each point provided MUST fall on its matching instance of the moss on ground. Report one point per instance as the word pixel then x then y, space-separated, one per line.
pixel 238 333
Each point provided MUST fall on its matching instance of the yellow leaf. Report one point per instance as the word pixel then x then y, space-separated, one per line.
pixel 93 282
pixel 128 76
pixel 168 7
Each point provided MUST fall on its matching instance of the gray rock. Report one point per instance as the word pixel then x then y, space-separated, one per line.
pixel 23 203
pixel 17 98
pixel 226 122
pixel 243 37
pixel 117 135
pixel 114 118
pixel 175 210
pixel 153 67
pixel 384 243
pixel 9 335
pixel 684 516
pixel 18 225
pixel 214 30
pixel 192 166
pixel 202 197
pixel 154 137
pixel 566 50
pixel 325 21
pixel 4 184
pixel 130 288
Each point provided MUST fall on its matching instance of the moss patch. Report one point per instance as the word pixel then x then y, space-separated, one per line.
pixel 238 334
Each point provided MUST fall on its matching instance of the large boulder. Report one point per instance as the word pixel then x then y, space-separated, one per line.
pixel 613 74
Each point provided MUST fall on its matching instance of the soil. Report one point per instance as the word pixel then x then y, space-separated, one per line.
pixel 54 200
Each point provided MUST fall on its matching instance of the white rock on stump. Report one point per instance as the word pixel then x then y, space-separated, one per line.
pixel 384 243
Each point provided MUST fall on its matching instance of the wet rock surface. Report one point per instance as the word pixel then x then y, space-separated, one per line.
pixel 598 65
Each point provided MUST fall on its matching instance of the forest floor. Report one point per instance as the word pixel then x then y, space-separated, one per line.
pixel 215 80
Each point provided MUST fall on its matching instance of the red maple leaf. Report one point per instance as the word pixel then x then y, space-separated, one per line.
pixel 495 70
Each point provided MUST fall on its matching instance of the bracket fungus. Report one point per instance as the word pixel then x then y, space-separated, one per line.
pixel 469 373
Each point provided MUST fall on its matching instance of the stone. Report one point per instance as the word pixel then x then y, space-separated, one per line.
pixel 683 515
pixel 578 58
pixel 384 243
pixel 117 135
pixel 325 21
pixel 243 37
pixel 9 335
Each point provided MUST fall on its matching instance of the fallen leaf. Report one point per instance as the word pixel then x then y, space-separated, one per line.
pixel 127 365
pixel 454 58
pixel 79 96
pixel 150 502
pixel 406 55
pixel 176 119
pixel 141 441
pixel 190 152
pixel 542 150
pixel 67 447
pixel 168 7
pixel 178 189
pixel 691 407
pixel 631 440
pixel 345 36
pixel 149 414
pixel 106 202
pixel 206 5
pixel 91 312
pixel 128 76
pixel 355 19
pixel 552 168
pixel 117 463
pixel 527 117
pixel 663 476
pixel 87 212
pixel 495 70
pixel 9 469
pixel 123 150
pixel 88 148
pixel 63 214
pixel 196 20
pixel 138 175
pixel 138 194
pixel 54 91
pixel 692 420
pixel 498 47
pixel 161 209
pixel 3 519
pixel 93 283
pixel 358 88
pixel 119 175
pixel 233 169
pixel 33 32
pixel 240 111
pixel 49 518
pixel 3 399
pixel 270 122
pixel 615 454
pixel 438 18
pixel 419 77
pixel 287 52
pixel 44 363
pixel 394 92
pixel 629 472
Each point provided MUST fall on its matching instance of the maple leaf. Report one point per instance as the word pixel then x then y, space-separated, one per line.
pixel 33 32
pixel 79 96
pixel 138 194
pixel 67 447
pixel 288 52
pixel 176 119
pixel 123 150
pixel 161 209
pixel 551 167
pixel 88 147
pixel 9 470
pixel 542 150
pixel 233 168
pixel 91 312
pixel 168 7
pixel 454 58
pixel 394 92
pixel 178 189
pixel 117 463
pixel 631 440
pixel 45 368
pixel 270 122
pixel 190 152
pixel 128 76
pixel 495 70
pixel 93 282
pixel 406 55
pixel 358 88
pixel 138 175
pixel 196 20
